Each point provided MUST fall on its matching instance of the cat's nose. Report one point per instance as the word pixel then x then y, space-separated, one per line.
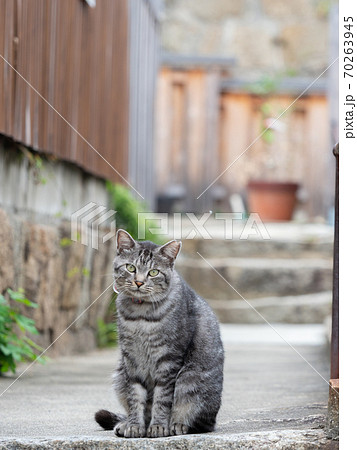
pixel 139 283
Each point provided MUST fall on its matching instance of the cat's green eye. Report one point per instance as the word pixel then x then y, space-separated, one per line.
pixel 130 268
pixel 153 272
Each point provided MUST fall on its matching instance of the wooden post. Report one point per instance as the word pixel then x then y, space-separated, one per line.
pixel 335 299
pixel 333 402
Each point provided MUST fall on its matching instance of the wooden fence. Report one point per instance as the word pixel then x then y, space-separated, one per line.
pixel 296 151
pixel 144 64
pixel 206 121
pixel 96 67
pixel 187 131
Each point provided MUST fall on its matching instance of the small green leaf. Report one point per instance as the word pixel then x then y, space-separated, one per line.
pixel 38 162
pixel 26 324
pixel 5 350
pixel 268 136
pixel 72 272
pixel 20 298
pixel 66 242
pixel 15 346
pixel 33 344
pixel 85 272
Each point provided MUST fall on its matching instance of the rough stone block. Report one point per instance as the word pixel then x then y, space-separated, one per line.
pixel 305 46
pixel 101 277
pixel 332 427
pixel 63 277
pixel 6 253
pixel 43 272
pixel 213 10
pixel 283 10
pixel 73 259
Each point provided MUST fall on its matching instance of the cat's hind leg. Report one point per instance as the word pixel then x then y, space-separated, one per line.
pixel 197 399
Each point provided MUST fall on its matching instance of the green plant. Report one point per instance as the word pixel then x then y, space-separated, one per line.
pixel 267 133
pixel 265 85
pixel 66 242
pixel 15 345
pixel 127 210
pixel 107 335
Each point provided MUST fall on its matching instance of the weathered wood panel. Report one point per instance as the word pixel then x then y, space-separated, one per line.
pixel 187 135
pixel 77 58
pixel 297 152
pixel 144 63
pixel 7 75
pixel 202 130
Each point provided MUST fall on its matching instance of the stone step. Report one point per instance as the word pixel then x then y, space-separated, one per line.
pixel 290 439
pixel 311 308
pixel 273 248
pixel 255 277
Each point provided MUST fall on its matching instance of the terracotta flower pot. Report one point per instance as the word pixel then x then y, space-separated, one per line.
pixel 273 201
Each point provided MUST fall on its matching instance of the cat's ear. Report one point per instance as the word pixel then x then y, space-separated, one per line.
pixel 171 249
pixel 124 241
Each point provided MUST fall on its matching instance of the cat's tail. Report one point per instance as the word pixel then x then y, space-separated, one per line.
pixel 107 419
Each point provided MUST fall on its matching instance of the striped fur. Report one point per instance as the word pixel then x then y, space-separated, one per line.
pixel 170 375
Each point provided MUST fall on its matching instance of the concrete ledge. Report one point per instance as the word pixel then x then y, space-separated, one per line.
pixel 284 440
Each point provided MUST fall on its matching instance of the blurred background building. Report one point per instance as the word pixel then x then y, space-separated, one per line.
pixel 229 70
pixel 174 98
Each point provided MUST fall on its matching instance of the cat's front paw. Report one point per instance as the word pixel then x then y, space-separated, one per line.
pixel 178 428
pixel 129 430
pixel 156 430
pixel 120 428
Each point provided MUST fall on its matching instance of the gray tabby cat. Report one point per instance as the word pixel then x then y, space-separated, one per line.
pixel 170 375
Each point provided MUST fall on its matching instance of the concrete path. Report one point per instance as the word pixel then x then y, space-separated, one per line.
pixel 272 397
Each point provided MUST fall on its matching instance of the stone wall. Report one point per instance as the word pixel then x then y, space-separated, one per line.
pixel 265 36
pixel 37 254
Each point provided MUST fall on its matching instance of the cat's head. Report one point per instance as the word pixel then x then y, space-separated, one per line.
pixel 143 269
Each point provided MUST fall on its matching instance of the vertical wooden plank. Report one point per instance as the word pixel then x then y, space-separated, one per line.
pixel 77 58
pixel 123 159
pixel 317 142
pixel 2 65
pixel 76 15
pixel 6 73
pixel 111 17
pixel 134 39
pixel 210 157
pixel 175 166
pixel 163 129
pixel 44 113
pixel 239 129
pixel 21 64
pixel 196 133
pixel 37 29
